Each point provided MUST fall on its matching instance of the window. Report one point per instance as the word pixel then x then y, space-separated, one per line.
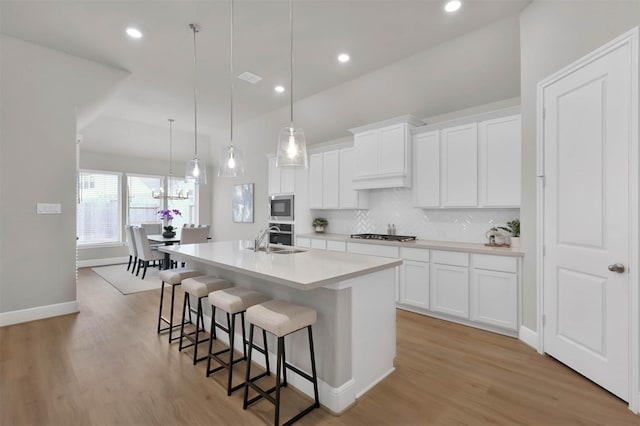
pixel 142 207
pixel 99 207
pixel 187 207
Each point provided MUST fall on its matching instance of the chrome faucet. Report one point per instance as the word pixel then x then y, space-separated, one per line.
pixel 261 234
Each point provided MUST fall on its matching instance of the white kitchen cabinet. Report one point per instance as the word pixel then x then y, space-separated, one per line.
pixel 331 180
pixel 336 245
pixel 494 291
pixel 383 153
pixel 449 283
pixel 414 278
pixel 318 244
pixel 373 249
pixel 316 185
pixel 303 242
pixel 349 197
pixel 426 169
pixel 459 166
pixel 499 162
pixel 281 180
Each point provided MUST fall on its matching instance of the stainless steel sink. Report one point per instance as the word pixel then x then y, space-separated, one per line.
pixel 280 250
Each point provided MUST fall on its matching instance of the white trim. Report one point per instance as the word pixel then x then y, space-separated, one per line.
pixel 39 312
pixel 467 119
pixel 630 38
pixel 100 245
pixel 102 262
pixel 528 336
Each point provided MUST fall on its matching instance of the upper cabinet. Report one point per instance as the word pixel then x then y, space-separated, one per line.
pixel 475 164
pixel 330 181
pixel 499 165
pixel 383 153
pixel 459 161
pixel 281 180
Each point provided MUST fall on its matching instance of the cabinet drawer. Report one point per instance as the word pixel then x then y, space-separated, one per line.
pixel 420 255
pixel 372 250
pixel 318 244
pixel 450 258
pixel 303 242
pixel 495 263
pixel 336 245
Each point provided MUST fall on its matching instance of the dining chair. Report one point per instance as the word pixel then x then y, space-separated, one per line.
pixel 133 250
pixel 145 253
pixel 194 235
pixel 152 228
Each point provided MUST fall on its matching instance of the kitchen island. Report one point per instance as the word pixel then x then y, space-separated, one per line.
pixel 354 296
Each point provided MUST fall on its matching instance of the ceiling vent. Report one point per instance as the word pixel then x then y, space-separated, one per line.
pixel 249 77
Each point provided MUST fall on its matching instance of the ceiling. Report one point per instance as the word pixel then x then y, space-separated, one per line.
pixel 160 85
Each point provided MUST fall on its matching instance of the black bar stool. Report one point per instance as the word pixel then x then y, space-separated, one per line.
pixel 198 287
pixel 234 301
pixel 281 318
pixel 173 277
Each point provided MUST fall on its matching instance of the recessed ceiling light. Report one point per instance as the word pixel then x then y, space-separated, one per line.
pixel 133 32
pixel 279 89
pixel 452 5
pixel 343 57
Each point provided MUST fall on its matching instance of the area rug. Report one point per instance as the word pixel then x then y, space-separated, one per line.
pixel 126 282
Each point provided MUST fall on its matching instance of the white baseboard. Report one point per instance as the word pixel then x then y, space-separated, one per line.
pixel 39 312
pixel 529 337
pixel 102 262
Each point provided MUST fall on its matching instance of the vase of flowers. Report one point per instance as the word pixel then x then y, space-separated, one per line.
pixel 167 216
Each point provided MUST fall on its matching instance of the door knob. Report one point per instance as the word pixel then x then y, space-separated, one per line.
pixel 617 267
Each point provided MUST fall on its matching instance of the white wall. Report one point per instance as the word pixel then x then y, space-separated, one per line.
pixel 475 69
pixel 42 90
pixel 553 35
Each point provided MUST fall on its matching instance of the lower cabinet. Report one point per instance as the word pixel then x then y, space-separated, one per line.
pixel 450 290
pixel 414 284
pixel 494 294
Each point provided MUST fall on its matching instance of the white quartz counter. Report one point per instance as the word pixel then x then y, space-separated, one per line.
pixel 426 244
pixel 305 270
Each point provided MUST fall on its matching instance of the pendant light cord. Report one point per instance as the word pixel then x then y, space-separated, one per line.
pixel 291 57
pixel 195 29
pixel 231 79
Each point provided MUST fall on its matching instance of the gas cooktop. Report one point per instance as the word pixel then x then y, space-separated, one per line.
pixel 383 237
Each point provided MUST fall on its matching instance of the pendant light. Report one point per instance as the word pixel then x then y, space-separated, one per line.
pixel 196 169
pixel 172 195
pixel 231 164
pixel 292 149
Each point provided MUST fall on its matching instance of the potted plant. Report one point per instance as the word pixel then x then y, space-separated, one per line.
pixel 167 216
pixel 513 228
pixel 319 223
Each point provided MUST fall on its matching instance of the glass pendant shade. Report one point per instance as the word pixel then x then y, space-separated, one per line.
pixel 292 149
pixel 196 172
pixel 231 164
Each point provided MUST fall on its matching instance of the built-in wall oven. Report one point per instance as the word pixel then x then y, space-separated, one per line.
pixel 284 236
pixel 281 207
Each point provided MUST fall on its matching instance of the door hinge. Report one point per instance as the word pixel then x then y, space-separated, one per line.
pixel 544 320
pixel 544 113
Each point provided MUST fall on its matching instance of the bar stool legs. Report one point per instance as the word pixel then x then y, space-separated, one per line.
pixel 169 320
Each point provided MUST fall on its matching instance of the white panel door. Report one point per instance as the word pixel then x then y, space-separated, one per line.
pixel 392 150
pixel 315 181
pixel 331 180
pixel 414 283
pixel 426 169
pixel 366 146
pixel 459 153
pixel 499 162
pixel 449 290
pixel 586 218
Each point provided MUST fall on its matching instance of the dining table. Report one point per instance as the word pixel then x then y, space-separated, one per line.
pixel 167 241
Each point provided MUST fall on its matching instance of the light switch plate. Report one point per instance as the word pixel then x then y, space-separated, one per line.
pixel 49 208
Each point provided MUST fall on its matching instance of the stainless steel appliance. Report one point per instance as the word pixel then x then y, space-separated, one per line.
pixel 384 237
pixel 281 207
pixel 284 236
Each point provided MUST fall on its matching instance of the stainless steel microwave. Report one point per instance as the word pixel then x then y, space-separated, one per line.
pixel 281 207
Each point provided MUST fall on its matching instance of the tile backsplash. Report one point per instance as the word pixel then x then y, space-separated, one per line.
pixel 395 206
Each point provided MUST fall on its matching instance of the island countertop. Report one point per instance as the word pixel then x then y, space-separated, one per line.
pixel 305 270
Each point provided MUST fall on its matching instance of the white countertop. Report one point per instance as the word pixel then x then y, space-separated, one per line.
pixel 425 244
pixel 305 271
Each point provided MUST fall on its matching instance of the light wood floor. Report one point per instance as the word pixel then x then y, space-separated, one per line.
pixel 107 366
